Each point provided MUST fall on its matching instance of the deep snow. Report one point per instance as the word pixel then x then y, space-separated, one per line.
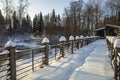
pixel 88 63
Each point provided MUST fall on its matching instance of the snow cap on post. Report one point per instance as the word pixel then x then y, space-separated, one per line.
pixel 117 43
pixel 81 37
pixel 45 40
pixel 10 44
pixel 62 38
pixel 71 38
pixel 77 37
pixel 113 39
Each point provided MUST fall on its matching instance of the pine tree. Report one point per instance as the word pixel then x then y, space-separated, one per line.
pixel 34 25
pixel 40 24
pixel 53 17
pixel 16 25
pixel 3 37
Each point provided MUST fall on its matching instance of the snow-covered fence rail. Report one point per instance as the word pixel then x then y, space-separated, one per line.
pixel 16 65
pixel 114 49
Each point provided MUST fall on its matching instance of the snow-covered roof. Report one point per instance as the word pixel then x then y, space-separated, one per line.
pixel 62 38
pixel 113 39
pixel 45 40
pixel 100 29
pixel 117 43
pixel 112 26
pixel 77 37
pixel 10 44
pixel 71 38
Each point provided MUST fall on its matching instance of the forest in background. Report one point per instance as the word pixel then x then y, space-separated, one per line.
pixel 78 18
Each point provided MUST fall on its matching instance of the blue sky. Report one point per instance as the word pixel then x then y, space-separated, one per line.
pixel 46 6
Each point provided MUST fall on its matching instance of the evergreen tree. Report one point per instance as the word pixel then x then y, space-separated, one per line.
pixel 53 17
pixel 29 24
pixel 58 20
pixel 34 25
pixel 16 25
pixel 40 24
pixel 3 37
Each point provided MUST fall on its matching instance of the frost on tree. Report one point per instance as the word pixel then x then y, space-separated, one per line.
pixel 62 38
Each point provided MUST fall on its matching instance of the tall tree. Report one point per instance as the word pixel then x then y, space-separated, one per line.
pixel 35 19
pixel 40 24
pixel 3 36
pixel 8 10
pixel 53 17
pixel 22 7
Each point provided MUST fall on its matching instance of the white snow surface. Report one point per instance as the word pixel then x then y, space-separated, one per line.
pixel 71 38
pixel 88 63
pixel 117 43
pixel 45 40
pixel 10 44
pixel 113 39
pixel 62 38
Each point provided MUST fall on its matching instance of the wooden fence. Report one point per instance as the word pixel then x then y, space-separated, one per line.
pixel 115 58
pixel 16 65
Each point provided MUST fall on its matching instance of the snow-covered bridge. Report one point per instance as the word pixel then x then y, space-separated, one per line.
pixel 88 63
pixel 90 59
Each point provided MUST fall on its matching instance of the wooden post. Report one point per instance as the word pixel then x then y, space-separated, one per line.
pixel 81 42
pixel 55 52
pixel 46 61
pixel 12 62
pixel 72 46
pixel 77 44
pixel 62 49
pixel 32 60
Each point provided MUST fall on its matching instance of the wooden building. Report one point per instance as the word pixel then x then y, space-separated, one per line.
pixel 112 30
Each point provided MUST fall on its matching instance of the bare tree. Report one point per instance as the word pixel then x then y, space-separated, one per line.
pixel 7 7
pixel 22 7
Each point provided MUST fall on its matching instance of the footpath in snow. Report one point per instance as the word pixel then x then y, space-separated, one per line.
pixel 88 63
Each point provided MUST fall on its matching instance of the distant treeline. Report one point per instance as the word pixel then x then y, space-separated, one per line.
pixel 78 18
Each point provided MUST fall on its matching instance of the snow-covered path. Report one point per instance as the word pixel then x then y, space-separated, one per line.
pixel 88 63
pixel 96 67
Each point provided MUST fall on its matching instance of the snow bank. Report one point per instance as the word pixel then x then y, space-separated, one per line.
pixel 62 38
pixel 71 38
pixel 117 43
pixel 45 40
pixel 10 44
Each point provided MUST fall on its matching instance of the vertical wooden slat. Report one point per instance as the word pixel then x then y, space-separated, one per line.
pixel 32 60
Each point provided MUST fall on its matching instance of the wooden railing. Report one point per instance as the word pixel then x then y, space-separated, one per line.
pixel 17 65
pixel 115 58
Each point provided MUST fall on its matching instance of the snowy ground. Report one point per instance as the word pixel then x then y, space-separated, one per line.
pixel 88 63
